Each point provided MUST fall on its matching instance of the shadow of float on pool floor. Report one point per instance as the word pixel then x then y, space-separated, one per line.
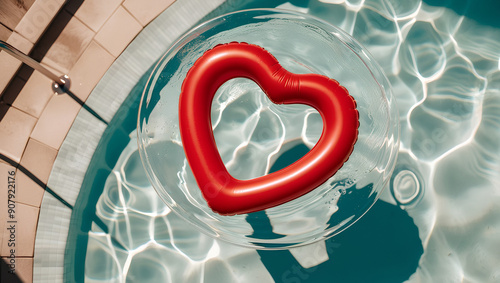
pixel 383 246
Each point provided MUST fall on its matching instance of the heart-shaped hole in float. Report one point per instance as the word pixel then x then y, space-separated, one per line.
pixel 227 195
pixel 251 132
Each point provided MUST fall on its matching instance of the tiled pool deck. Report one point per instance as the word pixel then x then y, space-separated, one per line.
pixel 78 38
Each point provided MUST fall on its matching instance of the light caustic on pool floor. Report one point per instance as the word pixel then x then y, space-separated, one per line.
pixel 444 70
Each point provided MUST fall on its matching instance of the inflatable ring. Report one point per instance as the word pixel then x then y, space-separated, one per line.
pixel 227 195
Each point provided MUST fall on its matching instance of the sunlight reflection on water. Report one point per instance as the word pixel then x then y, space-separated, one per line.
pixel 445 73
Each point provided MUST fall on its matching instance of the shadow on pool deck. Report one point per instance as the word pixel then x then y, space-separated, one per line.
pixel 6 275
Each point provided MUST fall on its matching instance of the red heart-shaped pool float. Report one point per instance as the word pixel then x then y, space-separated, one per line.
pixel 227 195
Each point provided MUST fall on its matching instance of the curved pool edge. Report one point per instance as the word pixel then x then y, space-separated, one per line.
pixel 78 147
pixel 431 244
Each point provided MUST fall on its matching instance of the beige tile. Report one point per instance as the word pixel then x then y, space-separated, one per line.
pixel 146 10
pixel 4 32
pixel 38 17
pixel 38 159
pixel 30 192
pixel 56 120
pixel 4 218
pixel 10 65
pixel 94 13
pixel 23 266
pixel 20 42
pixel 12 90
pixel 89 69
pixel 15 129
pixel 12 11
pixel 5 173
pixel 68 47
pixel 19 230
pixel 23 270
pixel 5 167
pixel 8 175
pixel 35 95
pixel 118 31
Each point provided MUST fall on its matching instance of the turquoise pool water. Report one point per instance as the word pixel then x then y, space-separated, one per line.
pixel 438 220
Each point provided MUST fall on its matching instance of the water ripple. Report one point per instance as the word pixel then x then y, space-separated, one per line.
pixel 159 245
pixel 445 72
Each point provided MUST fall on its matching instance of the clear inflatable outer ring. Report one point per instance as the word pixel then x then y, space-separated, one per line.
pixel 229 196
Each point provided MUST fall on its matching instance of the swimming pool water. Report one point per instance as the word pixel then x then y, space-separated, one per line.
pixel 438 220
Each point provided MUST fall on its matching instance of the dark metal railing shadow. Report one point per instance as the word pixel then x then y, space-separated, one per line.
pixel 60 85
